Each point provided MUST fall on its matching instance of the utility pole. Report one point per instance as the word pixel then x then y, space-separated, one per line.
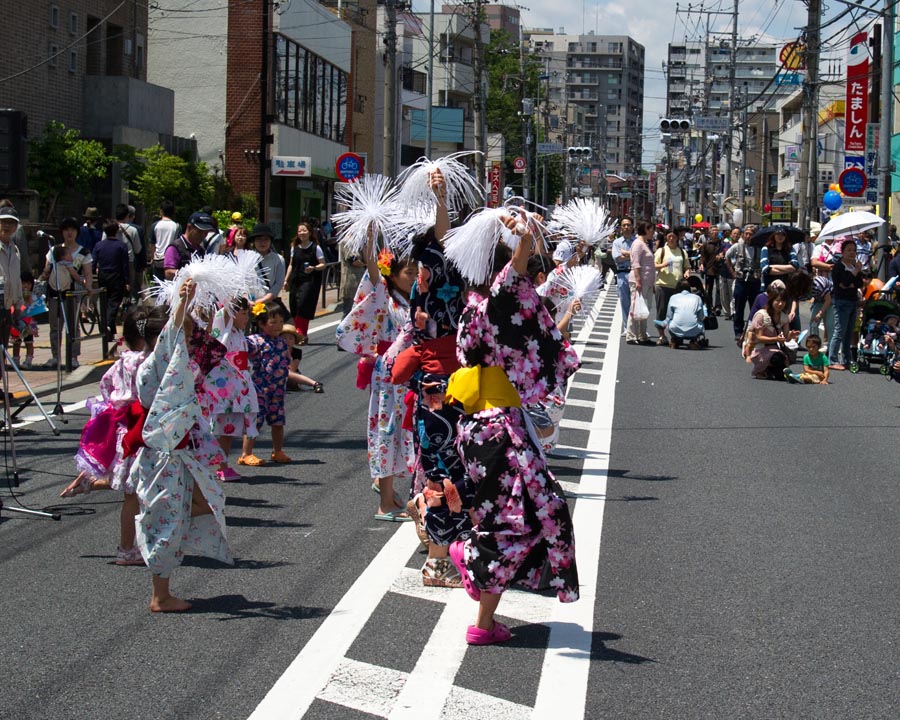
pixel 809 146
pixel 390 89
pixel 480 144
pixel 726 188
pixel 430 91
pixel 744 134
pixel 884 134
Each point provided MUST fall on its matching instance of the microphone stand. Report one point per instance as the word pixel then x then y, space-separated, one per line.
pixel 60 329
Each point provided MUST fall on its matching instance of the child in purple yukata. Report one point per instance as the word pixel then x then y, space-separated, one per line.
pixel 100 458
pixel 271 360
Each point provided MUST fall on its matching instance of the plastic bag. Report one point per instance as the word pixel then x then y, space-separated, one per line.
pixel 639 309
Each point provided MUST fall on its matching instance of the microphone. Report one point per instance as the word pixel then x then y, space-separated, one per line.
pixel 42 234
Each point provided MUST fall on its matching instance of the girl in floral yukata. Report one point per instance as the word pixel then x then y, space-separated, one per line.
pixel 181 503
pixel 380 310
pixel 100 457
pixel 230 391
pixel 513 355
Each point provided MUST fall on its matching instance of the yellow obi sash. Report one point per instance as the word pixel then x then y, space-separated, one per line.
pixel 481 388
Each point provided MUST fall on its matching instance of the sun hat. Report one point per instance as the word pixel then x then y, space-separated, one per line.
pixel 291 330
pixel 91 213
pixel 262 230
pixel 814 229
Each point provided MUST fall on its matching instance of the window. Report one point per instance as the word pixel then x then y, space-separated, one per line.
pixel 54 16
pixel 73 23
pixel 53 54
pixel 310 93
pixel 73 61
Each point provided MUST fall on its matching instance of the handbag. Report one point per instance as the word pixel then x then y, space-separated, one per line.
pixel 639 309
pixel 711 322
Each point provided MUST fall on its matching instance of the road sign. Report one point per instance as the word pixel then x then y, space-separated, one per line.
pixel 852 182
pixel 349 166
pixel 547 148
pixel 711 123
pixel 519 165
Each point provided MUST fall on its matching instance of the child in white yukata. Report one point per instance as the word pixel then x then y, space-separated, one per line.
pixel 181 503
pixel 100 458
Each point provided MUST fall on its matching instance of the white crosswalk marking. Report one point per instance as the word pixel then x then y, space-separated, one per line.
pixel 323 671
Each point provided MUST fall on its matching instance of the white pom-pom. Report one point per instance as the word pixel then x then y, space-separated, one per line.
pixel 215 278
pixel 463 190
pixel 584 220
pixel 247 266
pixel 583 282
pixel 369 211
pixel 471 246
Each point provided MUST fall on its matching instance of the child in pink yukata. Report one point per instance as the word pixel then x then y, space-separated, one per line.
pixel 270 356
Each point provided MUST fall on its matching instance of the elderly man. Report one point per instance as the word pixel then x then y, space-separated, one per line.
pixel 191 243
pixel 743 262
pixel 10 262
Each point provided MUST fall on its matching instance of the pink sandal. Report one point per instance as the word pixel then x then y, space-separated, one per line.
pixel 497 634
pixel 458 556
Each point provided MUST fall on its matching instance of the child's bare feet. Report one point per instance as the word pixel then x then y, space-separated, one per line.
pixel 78 486
pixel 170 604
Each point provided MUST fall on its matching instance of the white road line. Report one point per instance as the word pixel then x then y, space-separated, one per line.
pixel 310 671
pixel 562 692
pixel 575 424
pixel 27 420
pixel 575 385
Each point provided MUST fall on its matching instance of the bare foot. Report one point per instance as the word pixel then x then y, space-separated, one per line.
pixel 78 486
pixel 169 604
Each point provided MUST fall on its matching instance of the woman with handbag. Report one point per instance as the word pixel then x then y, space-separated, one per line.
pixel 641 280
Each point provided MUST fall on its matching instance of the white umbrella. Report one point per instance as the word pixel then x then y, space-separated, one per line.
pixel 850 223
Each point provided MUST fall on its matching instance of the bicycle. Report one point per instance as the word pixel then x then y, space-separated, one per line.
pixel 88 315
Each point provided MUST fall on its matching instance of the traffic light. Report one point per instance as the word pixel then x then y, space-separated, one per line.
pixel 674 125
pixel 579 153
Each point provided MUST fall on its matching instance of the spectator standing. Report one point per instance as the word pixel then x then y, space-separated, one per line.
pixel 91 231
pixel 304 277
pixel 163 233
pixel 113 272
pixel 743 261
pixel 777 259
pixel 895 240
pixel 131 237
pixel 10 261
pixel 805 249
pixel 847 278
pixel 214 239
pixel 621 255
pixel 352 271
pixel 712 262
pixel 271 267
pixel 180 252
pixel 865 249
pixel 57 284
pixel 672 265
pixel 641 281
pixel 19 237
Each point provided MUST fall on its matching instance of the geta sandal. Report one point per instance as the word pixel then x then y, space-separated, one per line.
pixel 251 460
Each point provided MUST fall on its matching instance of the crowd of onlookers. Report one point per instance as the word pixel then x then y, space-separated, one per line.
pixel 801 293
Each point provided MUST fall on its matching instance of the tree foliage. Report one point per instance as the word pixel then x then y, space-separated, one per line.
pixel 62 164
pixel 155 175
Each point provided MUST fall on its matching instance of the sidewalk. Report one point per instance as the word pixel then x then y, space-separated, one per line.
pixel 43 381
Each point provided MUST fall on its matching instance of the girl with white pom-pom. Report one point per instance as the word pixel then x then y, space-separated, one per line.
pixel 380 310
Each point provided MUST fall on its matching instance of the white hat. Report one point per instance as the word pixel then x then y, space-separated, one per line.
pixel 564 251
pixel 815 228
pixel 8 213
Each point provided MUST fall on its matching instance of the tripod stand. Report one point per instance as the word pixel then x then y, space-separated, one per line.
pixel 5 322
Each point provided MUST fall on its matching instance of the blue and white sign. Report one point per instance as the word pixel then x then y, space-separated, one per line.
pixel 289 166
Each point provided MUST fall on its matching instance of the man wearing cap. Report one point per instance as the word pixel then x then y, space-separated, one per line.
pixel 180 252
pixel 271 267
pixel 10 262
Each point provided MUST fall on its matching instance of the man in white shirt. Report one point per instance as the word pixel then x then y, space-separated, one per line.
pixel 163 233
pixel 10 262
pixel 621 255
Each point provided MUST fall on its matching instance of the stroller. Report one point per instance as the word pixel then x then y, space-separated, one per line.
pixel 871 348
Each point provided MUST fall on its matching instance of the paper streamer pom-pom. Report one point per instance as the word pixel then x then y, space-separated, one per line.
pixel 369 210
pixel 470 247
pixel 463 190
pixel 583 282
pixel 216 280
pixel 584 220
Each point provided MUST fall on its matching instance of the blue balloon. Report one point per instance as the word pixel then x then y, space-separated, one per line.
pixel 832 200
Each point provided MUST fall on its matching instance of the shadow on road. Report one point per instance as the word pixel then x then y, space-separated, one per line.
pixel 625 474
pixel 236 607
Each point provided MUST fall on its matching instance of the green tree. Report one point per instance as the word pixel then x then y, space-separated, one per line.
pixel 161 176
pixel 63 165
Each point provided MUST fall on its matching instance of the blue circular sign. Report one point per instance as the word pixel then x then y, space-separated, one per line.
pixel 349 166
pixel 853 182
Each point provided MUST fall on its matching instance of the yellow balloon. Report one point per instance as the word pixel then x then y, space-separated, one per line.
pixel 698 218
pixel 835 187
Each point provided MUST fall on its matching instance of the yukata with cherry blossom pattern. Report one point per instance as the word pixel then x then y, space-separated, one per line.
pixel 369 330
pixel 178 458
pixel 100 452
pixel 230 392
pixel 522 520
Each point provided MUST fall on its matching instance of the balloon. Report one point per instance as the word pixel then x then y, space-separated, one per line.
pixel 738 217
pixel 832 200
pixel 698 218
pixel 767 208
pixel 835 187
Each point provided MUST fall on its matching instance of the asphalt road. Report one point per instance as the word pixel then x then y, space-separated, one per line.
pixel 746 567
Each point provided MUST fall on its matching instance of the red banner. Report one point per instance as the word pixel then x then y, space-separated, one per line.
pixel 495 185
pixel 857 110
